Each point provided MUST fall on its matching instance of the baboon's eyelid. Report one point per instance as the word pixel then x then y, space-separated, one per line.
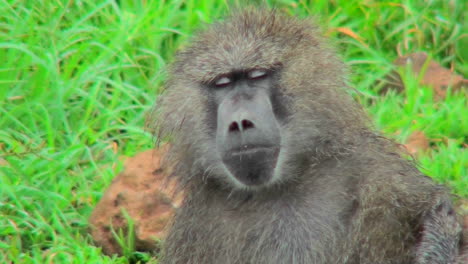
pixel 223 81
pixel 257 73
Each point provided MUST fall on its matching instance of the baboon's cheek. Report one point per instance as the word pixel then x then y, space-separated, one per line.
pixel 253 167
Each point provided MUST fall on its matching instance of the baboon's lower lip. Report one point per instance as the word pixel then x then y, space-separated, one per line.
pixel 246 150
pixel 252 166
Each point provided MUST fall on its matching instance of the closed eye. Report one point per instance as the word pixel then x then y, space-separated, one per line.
pixel 257 74
pixel 222 81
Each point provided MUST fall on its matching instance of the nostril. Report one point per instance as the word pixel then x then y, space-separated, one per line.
pixel 233 127
pixel 246 124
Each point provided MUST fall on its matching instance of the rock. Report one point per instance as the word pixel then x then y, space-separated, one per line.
pixel 146 196
pixel 417 143
pixel 434 75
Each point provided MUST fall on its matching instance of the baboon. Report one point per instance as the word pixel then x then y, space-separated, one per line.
pixel 278 163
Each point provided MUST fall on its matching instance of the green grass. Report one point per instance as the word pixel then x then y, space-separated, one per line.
pixel 77 77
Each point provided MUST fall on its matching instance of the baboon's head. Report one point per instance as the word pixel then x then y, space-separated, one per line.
pixel 254 100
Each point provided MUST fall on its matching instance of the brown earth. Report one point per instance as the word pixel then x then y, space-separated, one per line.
pixel 433 75
pixel 142 191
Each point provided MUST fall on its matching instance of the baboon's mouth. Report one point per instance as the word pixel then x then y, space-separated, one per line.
pixel 249 149
pixel 252 165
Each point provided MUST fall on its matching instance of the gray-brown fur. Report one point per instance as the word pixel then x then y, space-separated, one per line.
pixel 463 254
pixel 345 195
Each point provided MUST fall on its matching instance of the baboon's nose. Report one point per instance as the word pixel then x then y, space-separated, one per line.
pixel 241 126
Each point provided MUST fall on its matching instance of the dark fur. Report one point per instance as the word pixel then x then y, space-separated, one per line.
pixel 346 194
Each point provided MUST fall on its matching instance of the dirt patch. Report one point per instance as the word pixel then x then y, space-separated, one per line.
pixel 143 192
pixel 428 71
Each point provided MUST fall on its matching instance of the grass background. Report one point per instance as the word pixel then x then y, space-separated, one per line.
pixel 78 76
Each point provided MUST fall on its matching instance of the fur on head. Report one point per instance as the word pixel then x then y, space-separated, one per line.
pixel 322 119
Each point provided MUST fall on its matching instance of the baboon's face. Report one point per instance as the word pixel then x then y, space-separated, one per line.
pixel 252 100
pixel 248 131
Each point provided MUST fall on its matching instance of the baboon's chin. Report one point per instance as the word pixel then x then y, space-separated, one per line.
pixel 253 166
